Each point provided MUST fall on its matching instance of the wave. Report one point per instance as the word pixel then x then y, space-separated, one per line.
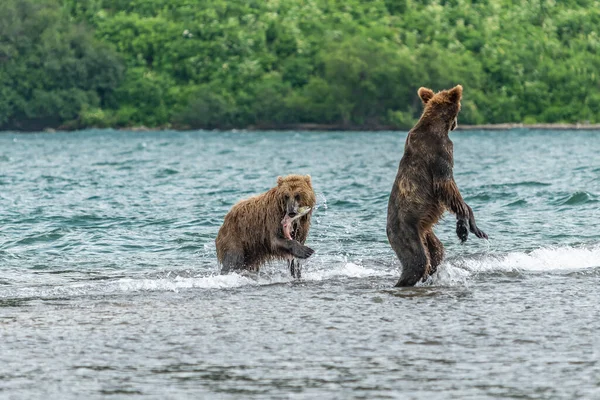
pixel 235 280
pixel 453 272
pixel 544 260
pixel 174 282
pixel 517 184
pixel 577 198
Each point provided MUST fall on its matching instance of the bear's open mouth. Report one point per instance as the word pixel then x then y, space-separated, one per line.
pixel 288 223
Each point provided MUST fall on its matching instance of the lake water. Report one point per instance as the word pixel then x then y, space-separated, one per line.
pixel 109 286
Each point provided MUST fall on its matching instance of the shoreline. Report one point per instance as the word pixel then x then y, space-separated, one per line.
pixel 505 127
pixel 483 127
pixel 332 128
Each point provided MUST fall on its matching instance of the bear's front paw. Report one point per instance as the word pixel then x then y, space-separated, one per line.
pixel 302 251
pixel 461 230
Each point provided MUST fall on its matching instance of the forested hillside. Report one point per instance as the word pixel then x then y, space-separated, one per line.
pixel 240 63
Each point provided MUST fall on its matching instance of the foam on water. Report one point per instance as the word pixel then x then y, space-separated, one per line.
pixel 452 272
pixel 203 281
pixel 235 280
pixel 165 284
pixel 550 259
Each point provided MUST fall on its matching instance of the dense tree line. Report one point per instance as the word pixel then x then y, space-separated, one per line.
pixel 239 63
pixel 52 70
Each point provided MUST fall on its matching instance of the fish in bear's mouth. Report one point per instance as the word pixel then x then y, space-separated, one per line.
pixel 288 221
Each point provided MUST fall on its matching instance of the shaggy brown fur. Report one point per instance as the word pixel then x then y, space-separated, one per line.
pixel 424 188
pixel 252 232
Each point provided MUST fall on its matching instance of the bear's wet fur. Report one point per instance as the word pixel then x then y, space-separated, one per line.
pixel 252 232
pixel 424 188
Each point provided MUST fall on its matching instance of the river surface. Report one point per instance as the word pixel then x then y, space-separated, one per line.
pixel 109 285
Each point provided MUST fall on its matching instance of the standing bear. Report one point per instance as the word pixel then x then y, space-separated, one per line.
pixel 424 188
pixel 273 225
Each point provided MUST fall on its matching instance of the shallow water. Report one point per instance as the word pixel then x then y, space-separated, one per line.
pixel 109 285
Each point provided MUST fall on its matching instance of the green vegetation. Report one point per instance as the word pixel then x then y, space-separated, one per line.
pixel 239 63
pixel 52 71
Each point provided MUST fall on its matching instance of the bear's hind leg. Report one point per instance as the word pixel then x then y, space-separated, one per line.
pixel 413 256
pixel 232 260
pixel 436 251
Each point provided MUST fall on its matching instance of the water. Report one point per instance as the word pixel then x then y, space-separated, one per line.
pixel 109 286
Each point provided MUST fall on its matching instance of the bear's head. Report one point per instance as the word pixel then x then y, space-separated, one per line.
pixel 444 104
pixel 294 192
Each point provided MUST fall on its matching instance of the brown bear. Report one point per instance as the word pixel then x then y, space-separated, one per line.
pixel 267 227
pixel 424 188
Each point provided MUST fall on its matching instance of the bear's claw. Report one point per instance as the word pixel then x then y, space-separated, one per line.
pixel 302 251
pixel 479 233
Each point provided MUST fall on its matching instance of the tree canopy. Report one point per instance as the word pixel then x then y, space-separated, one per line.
pixel 239 63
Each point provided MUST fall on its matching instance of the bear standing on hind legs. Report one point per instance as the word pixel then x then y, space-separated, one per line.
pixel 272 225
pixel 424 188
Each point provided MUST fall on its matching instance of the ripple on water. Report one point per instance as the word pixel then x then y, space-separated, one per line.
pixel 528 184
pixel 108 271
pixel 577 198
pixel 166 172
pixel 517 203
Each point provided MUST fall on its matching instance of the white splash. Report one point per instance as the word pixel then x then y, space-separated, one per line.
pixel 235 280
pixel 453 272
pixel 348 270
pixel 550 259
pixel 321 201
pixel 164 284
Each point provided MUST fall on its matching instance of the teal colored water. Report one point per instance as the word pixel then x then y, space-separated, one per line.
pixel 109 285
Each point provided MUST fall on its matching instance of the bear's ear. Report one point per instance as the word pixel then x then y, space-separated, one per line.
pixel 425 94
pixel 279 180
pixel 307 179
pixel 455 94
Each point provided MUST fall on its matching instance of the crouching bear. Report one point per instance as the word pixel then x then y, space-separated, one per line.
pixel 424 188
pixel 273 225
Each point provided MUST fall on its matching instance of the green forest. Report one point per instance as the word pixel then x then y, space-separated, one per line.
pixel 222 64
